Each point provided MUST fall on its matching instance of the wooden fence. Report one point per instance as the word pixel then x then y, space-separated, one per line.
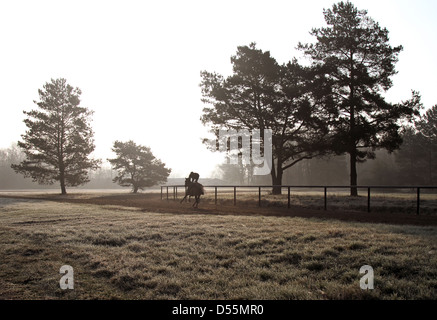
pixel 174 190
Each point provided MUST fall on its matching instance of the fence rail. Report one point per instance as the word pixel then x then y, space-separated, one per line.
pixel 289 187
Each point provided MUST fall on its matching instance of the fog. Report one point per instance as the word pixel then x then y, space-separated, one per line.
pixel 385 170
pixel 138 62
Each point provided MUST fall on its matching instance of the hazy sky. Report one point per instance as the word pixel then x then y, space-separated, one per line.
pixel 138 63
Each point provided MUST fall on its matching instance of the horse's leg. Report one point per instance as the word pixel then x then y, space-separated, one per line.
pixel 183 198
pixel 187 193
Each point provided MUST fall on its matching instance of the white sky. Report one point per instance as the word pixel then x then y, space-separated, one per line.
pixel 138 63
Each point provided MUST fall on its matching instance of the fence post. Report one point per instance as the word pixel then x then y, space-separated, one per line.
pixel 259 196
pixel 326 200
pixel 418 200
pixel 235 196
pixel 368 199
pixel 161 192
pixel 167 193
pixel 215 199
pixel 288 205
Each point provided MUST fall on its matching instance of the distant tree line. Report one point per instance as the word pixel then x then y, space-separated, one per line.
pixel 414 163
pixel 101 178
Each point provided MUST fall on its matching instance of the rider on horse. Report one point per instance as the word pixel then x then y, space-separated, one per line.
pixel 193 188
pixel 194 177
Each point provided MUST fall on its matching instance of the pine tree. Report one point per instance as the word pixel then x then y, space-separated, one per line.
pixel 260 95
pixel 59 138
pixel 137 167
pixel 354 53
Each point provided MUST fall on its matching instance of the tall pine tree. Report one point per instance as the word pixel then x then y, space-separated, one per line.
pixel 59 138
pixel 355 57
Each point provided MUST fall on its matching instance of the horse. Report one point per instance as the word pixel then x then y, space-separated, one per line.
pixel 193 189
pixel 193 177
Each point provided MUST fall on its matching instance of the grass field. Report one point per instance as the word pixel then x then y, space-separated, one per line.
pixel 120 252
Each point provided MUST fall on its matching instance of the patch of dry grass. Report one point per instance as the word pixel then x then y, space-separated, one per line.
pixel 125 253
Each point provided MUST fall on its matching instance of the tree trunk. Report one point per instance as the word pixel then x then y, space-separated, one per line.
pixel 135 189
pixel 60 141
pixel 62 176
pixel 277 181
pixel 430 168
pixel 353 148
pixel 353 173
pixel 62 181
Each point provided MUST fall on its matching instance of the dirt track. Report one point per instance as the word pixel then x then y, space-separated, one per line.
pixel 153 203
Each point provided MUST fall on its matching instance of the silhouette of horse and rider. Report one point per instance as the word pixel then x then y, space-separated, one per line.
pixel 193 188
